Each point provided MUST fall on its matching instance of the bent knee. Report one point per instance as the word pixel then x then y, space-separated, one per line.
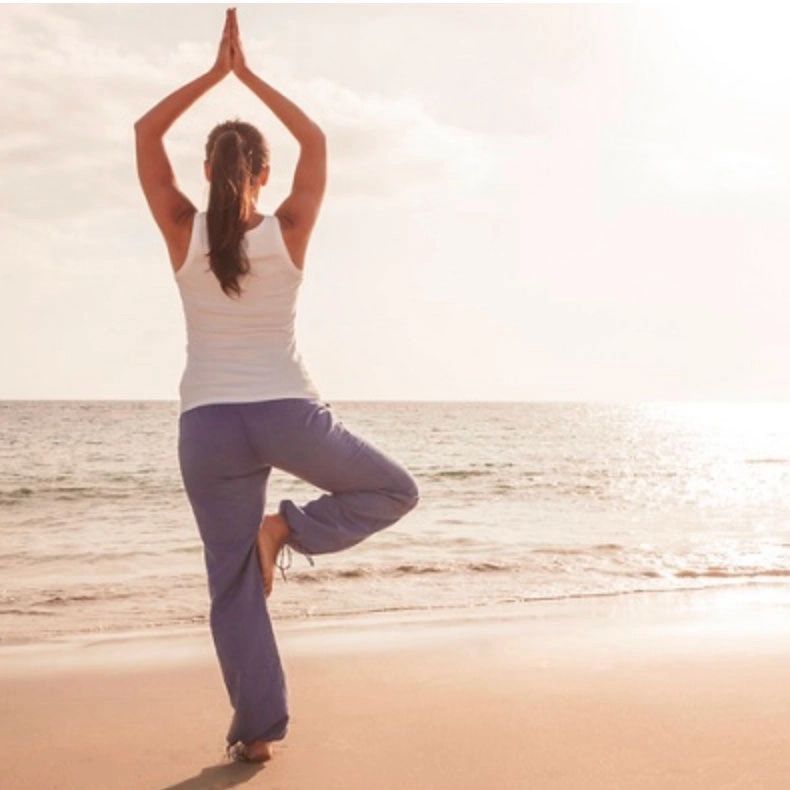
pixel 408 493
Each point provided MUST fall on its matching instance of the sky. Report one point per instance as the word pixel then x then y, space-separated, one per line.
pixel 524 202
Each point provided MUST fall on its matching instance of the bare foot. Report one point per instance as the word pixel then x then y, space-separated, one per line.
pixel 253 752
pixel 272 535
pixel 258 751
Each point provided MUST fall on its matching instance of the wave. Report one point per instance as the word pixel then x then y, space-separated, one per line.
pixel 626 566
pixel 26 612
pixel 65 598
pixel 137 484
pixel 732 573
pixel 578 549
pixel 39 557
pixel 608 559
pixel 460 474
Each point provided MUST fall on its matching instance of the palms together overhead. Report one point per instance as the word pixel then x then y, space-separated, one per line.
pixel 230 56
pixel 238 61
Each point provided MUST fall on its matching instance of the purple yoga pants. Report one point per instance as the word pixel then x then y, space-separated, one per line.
pixel 226 452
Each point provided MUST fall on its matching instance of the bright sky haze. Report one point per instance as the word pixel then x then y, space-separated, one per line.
pixel 546 202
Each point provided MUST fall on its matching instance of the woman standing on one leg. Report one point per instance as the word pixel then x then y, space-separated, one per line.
pixel 247 402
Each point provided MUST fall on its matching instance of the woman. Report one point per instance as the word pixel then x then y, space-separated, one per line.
pixel 247 403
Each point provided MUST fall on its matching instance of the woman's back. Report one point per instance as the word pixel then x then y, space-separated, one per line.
pixel 243 348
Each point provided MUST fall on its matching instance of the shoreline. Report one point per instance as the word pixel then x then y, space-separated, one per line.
pixel 192 644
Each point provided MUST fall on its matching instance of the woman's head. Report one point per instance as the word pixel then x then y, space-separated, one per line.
pixel 236 166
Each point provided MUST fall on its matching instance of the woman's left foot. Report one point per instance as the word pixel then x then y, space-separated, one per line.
pixel 272 535
pixel 255 752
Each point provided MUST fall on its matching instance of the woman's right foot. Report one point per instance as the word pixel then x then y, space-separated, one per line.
pixel 272 535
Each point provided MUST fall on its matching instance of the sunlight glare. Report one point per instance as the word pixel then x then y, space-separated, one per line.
pixel 741 48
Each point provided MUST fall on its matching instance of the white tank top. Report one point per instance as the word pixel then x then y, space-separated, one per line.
pixel 241 349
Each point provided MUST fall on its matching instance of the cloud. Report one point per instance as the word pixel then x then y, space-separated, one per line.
pixel 76 96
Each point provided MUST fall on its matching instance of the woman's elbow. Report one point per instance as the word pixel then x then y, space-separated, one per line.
pixel 316 135
pixel 140 128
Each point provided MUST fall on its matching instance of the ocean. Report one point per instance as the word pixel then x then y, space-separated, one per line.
pixel 519 502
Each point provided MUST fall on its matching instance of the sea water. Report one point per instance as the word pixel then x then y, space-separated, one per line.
pixel 519 502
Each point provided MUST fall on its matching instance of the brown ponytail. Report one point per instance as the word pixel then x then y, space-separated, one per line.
pixel 237 152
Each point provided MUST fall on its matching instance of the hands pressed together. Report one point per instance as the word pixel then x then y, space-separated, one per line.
pixel 231 55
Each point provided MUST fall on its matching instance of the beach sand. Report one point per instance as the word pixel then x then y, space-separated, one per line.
pixel 654 690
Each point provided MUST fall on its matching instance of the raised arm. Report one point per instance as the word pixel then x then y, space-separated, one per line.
pixel 299 211
pixel 172 210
